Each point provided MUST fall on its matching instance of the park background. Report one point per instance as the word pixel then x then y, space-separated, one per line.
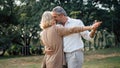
pixel 20 45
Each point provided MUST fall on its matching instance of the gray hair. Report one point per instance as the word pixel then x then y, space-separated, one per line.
pixel 59 10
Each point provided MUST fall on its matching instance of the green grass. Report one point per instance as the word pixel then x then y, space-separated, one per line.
pixel 109 62
pixel 20 62
pixel 105 58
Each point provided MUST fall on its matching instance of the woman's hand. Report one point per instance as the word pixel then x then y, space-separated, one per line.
pixel 94 28
pixel 48 51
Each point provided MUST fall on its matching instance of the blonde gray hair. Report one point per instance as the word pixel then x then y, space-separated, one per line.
pixel 46 20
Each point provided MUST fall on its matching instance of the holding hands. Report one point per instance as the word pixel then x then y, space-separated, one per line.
pixel 96 25
pixel 94 28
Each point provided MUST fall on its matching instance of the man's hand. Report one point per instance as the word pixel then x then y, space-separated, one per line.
pixel 96 24
pixel 94 28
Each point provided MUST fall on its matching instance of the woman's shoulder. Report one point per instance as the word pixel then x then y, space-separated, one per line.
pixel 58 26
pixel 41 33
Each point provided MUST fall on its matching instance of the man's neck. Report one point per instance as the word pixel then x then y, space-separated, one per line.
pixel 65 20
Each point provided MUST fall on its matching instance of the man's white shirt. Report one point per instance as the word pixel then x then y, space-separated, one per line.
pixel 74 41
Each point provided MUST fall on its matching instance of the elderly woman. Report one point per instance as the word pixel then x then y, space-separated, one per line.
pixel 52 39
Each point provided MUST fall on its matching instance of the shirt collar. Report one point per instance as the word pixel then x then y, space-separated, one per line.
pixel 68 21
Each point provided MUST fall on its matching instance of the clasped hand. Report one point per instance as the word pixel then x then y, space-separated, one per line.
pixel 48 51
pixel 96 25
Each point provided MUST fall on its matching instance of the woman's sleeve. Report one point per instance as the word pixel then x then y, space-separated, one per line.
pixel 62 31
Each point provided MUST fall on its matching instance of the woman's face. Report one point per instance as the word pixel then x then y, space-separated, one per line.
pixel 53 21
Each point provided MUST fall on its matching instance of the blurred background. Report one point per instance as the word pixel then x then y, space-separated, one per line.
pixel 19 23
pixel 20 45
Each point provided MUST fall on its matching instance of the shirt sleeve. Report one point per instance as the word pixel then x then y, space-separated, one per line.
pixel 85 34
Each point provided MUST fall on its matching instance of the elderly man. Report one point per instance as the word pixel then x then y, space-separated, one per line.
pixel 73 44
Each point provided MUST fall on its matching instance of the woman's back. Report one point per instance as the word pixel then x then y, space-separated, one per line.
pixel 52 40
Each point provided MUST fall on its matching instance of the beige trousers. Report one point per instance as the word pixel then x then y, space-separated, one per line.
pixel 75 59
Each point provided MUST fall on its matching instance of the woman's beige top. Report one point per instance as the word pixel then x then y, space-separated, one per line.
pixel 52 38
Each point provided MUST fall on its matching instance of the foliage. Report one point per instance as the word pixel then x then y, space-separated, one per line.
pixel 14 50
pixel 102 40
pixel 19 23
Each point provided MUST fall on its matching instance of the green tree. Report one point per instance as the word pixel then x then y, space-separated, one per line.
pixel 8 20
pixel 112 17
pixel 29 13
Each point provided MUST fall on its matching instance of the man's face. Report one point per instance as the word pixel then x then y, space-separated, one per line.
pixel 56 16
